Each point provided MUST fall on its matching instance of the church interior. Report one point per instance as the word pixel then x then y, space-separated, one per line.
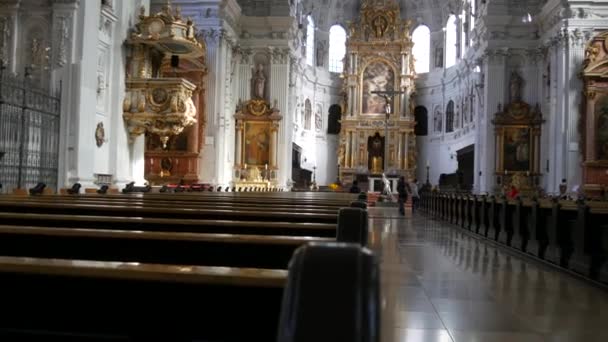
pixel 305 170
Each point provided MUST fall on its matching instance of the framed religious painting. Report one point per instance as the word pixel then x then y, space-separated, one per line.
pixel 377 76
pixel 516 145
pixel 256 143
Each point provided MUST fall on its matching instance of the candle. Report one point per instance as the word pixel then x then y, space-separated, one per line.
pixel 506 172
pixel 528 173
pixel 266 166
pixel 428 163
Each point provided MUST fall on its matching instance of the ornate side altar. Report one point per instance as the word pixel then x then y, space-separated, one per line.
pixel 164 98
pixel 257 138
pixel 378 59
pixel 517 133
pixel 594 116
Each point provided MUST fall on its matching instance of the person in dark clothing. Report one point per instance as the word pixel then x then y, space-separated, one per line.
pixel 402 190
pixel 354 189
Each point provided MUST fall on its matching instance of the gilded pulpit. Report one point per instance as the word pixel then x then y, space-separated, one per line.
pixel 164 96
pixel 378 62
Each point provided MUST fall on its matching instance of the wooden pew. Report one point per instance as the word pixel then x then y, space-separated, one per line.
pixel 170 224
pixel 192 202
pixel 156 212
pixel 88 299
pixel 38 202
pixel 151 247
pixel 569 234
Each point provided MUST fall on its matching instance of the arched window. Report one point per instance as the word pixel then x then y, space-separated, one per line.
pixel 472 17
pixel 422 119
pixel 422 48
pixel 337 48
pixel 310 41
pixel 307 115
pixel 464 33
pixel 450 41
pixel 449 117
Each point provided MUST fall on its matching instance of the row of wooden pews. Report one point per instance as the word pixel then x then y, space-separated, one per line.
pixel 187 267
pixel 570 234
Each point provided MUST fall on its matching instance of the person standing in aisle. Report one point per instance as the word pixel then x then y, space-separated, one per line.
pixel 414 194
pixel 402 190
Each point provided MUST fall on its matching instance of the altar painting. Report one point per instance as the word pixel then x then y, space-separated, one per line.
pixel 257 143
pixel 516 149
pixel 378 76
pixel 601 113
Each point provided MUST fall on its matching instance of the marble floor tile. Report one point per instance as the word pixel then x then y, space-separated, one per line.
pixel 441 284
pixel 421 335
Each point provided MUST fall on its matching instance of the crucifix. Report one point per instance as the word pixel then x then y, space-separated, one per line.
pixel 389 96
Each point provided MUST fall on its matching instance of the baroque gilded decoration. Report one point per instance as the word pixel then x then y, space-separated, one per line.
pixel 378 58
pixel 257 126
pixel 168 110
pixel 517 134
pixel 594 116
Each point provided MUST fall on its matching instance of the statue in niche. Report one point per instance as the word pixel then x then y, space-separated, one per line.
pixel 438 120
pixel 380 26
pixel 515 87
pixel 438 57
pixel 321 53
pixel 259 82
pixel 318 120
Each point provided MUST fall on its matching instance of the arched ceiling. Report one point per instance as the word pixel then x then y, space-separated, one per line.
pixel 428 12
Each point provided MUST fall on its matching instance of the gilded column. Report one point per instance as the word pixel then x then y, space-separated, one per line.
pixel 274 144
pixel 239 145
pixel 400 151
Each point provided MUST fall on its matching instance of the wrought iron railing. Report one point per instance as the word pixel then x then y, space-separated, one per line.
pixel 29 133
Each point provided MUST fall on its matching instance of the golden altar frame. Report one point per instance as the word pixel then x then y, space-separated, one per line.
pixel 256 145
pixel 378 58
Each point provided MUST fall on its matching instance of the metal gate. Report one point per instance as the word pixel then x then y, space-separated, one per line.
pixel 29 134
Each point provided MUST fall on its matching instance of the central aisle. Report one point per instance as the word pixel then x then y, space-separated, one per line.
pixel 440 284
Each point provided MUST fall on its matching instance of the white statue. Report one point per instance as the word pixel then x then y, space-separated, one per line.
pixel 259 82
pixel 387 187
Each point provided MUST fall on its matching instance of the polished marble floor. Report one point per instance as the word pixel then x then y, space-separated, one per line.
pixel 441 284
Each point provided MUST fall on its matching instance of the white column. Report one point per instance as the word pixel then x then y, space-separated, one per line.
pixel 561 147
pixel 137 160
pixel 576 54
pixel 494 70
pixel 279 92
pixel 208 161
pixel 83 90
pixel 245 70
pixel 551 179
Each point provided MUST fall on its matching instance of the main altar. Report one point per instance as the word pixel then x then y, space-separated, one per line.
pixel 379 80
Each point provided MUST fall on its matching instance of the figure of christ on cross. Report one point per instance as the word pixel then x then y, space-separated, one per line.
pixel 389 96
